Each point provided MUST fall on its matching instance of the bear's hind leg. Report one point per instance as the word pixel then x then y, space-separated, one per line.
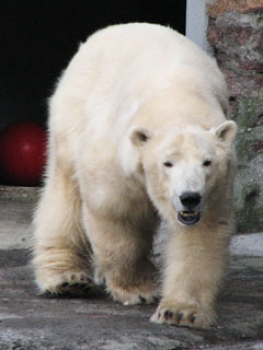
pixel 121 259
pixel 60 248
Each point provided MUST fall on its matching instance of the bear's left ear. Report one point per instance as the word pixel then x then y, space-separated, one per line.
pixel 226 132
pixel 139 135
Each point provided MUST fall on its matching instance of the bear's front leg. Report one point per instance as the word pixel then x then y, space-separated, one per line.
pixel 122 258
pixel 195 261
pixel 61 251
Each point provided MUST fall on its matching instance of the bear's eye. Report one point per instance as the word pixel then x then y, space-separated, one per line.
pixel 168 164
pixel 207 163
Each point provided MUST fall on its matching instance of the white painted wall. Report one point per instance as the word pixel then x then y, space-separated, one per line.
pixel 196 23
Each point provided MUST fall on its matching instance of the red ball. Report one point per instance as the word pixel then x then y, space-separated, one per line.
pixel 22 154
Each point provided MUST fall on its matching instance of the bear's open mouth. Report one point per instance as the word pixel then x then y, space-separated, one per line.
pixel 189 217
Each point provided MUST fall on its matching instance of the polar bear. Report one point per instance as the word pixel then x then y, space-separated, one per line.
pixel 138 136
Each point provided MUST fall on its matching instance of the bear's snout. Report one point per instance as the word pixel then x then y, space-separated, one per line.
pixel 191 206
pixel 190 200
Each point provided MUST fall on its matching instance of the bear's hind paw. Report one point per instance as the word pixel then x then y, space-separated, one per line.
pixel 130 296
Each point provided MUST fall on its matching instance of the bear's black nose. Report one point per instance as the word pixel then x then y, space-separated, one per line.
pixel 190 200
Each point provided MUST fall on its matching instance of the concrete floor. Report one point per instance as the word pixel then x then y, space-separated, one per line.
pixel 29 321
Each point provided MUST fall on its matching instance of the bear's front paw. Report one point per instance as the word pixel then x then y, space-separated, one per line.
pixel 183 314
pixel 66 282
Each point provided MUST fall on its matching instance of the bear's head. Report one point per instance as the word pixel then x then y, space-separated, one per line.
pixel 186 171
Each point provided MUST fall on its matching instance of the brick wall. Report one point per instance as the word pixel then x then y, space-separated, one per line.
pixel 235 32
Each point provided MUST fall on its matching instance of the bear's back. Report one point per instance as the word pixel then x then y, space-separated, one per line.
pixel 118 68
pixel 137 46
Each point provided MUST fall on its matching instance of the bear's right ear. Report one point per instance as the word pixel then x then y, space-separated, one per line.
pixel 139 135
pixel 129 151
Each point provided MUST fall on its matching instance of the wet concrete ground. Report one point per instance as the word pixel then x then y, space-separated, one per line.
pixel 94 322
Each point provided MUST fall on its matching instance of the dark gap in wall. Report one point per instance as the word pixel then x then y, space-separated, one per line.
pixel 38 38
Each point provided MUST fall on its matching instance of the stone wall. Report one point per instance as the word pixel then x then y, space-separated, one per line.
pixel 235 32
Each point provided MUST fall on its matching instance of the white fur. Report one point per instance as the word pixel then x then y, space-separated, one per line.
pixel 133 97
